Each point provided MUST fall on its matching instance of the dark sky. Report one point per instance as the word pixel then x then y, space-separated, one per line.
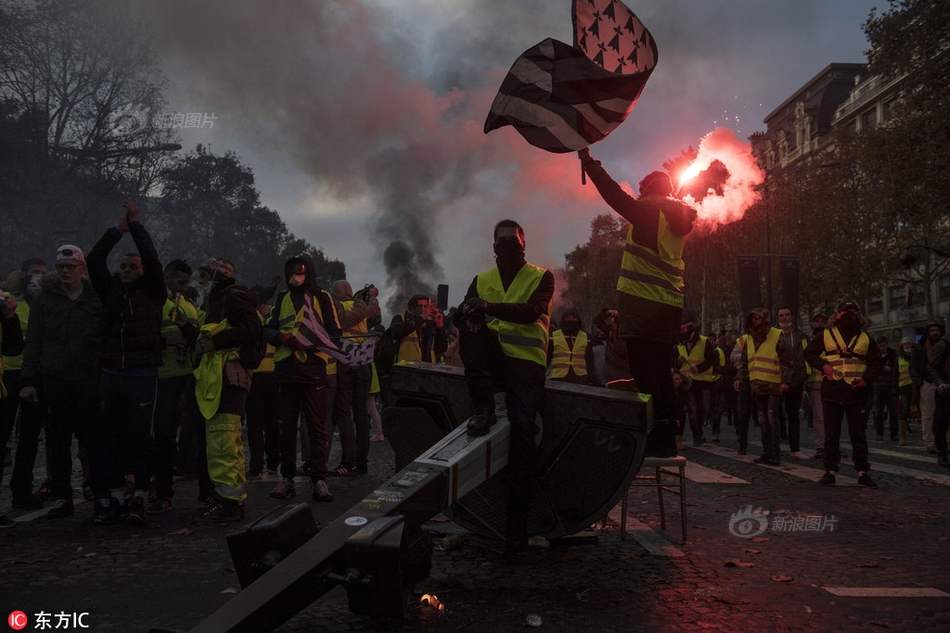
pixel 362 120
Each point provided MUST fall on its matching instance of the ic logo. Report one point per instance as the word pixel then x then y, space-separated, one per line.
pixel 747 523
pixel 17 620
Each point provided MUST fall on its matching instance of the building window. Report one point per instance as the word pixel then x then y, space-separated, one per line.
pixel 875 305
pixel 869 119
pixel 943 288
pixel 888 110
pixel 897 297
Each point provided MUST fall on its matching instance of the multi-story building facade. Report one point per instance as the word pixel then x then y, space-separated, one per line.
pixel 799 136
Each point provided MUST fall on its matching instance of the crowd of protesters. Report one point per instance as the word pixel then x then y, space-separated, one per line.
pixel 783 381
pixel 154 376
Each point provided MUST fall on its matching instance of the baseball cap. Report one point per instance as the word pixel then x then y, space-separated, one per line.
pixel 69 252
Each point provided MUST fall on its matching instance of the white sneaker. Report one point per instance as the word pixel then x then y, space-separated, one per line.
pixel 799 456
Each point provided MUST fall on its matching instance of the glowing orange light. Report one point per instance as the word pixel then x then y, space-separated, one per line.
pixel 691 172
pixel 739 190
pixel 432 600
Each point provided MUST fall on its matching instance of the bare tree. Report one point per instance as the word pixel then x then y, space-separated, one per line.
pixel 81 103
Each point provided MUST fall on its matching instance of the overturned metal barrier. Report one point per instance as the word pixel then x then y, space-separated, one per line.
pixel 590 446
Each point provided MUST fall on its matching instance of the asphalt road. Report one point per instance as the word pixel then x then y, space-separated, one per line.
pixel 807 557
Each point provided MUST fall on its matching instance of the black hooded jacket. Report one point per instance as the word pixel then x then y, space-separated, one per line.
pixel 132 313
pixel 238 305
pixel 314 369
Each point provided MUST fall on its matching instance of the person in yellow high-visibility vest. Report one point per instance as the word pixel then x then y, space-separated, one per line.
pixel 11 344
pixel 175 381
pixel 23 288
pixel 303 320
pixel 765 362
pixel 651 287
pixel 696 358
pixel 222 384
pixel 503 336
pixel 262 415
pixel 570 358
pixel 849 363
pixel 905 386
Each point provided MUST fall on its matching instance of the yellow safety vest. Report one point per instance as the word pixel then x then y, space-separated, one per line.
pixel 288 321
pixel 170 365
pixel 694 358
pixel 565 358
pixel 903 372
pixel 527 341
pixel 410 349
pixel 848 362
pixel 209 373
pixel 763 362
pixel 654 275
pixel 813 375
pixel 267 363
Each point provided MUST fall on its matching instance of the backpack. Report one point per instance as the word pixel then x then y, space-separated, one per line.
pixel 385 353
pixel 252 353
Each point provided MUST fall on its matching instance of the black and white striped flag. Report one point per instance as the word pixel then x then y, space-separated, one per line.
pixel 563 98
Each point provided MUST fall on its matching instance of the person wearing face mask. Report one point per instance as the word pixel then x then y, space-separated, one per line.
pixel 697 358
pixel 765 361
pixel 503 338
pixel 921 373
pixel 570 358
pixel 651 287
pixel 905 387
pixel 304 317
pixel 849 362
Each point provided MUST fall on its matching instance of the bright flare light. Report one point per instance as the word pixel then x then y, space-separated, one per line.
pixel 432 600
pixel 739 189
pixel 691 172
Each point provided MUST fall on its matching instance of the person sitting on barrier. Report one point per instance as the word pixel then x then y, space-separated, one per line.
pixel 503 336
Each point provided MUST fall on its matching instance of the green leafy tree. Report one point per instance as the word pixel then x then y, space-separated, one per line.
pixel 591 270
pixel 903 162
pixel 210 206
